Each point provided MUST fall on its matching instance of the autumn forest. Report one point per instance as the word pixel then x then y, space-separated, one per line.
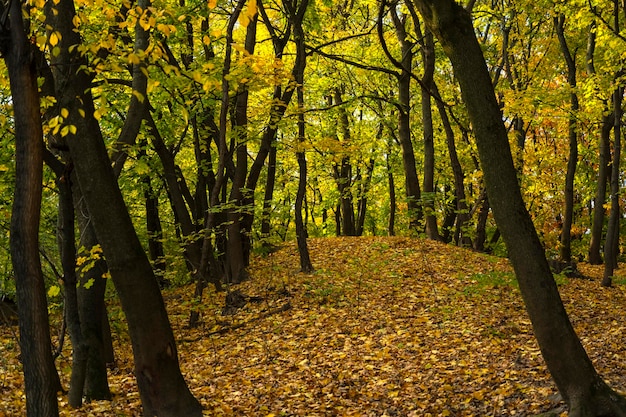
pixel 307 207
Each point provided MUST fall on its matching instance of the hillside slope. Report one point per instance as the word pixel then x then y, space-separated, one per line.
pixel 384 327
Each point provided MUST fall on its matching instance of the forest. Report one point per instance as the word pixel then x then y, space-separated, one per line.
pixel 308 207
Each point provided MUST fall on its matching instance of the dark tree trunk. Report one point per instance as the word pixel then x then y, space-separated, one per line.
pixel 392 199
pixel 481 221
pixel 612 233
pixel 67 250
pixel 162 388
pixel 428 189
pixel 595 258
pixel 362 200
pixel 155 233
pixel 208 262
pixel 93 316
pixel 238 249
pixel 269 196
pixel 183 214
pixel 568 214
pixel 462 211
pixel 296 14
pixel 412 186
pixel 40 376
pixel 343 172
pixel 579 384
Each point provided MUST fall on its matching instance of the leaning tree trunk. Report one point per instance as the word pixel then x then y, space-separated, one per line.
pixel 40 376
pixel 578 382
pixel 161 385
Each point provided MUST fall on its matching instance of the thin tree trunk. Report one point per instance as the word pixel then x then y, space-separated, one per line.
pixel 428 188
pixel 67 250
pixel 296 14
pixel 612 233
pixel 362 200
pixel 462 211
pixel 566 231
pixel 412 187
pixel 269 196
pixel 595 258
pixel 595 244
pixel 391 222
pixel 155 233
pixel 238 248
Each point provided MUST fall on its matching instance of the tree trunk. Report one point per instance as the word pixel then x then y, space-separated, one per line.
pixel 595 258
pixel 568 214
pixel 343 172
pixel 428 189
pixel 155 233
pixel 93 315
pixel 597 226
pixel 269 196
pixel 238 235
pixel 40 376
pixel 67 250
pixel 296 14
pixel 462 211
pixel 612 233
pixel 391 222
pixel 413 192
pixel 579 384
pixel 362 200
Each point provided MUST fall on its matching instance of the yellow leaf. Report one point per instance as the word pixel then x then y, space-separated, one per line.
pixel 212 4
pixel 133 59
pixel 65 112
pixel 54 38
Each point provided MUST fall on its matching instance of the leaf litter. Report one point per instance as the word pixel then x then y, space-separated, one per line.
pixel 385 326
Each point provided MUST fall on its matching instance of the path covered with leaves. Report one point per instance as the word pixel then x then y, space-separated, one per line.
pixel 384 327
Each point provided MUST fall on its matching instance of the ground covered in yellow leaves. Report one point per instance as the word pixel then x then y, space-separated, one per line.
pixel 384 327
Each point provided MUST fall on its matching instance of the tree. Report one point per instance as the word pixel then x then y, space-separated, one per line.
pixel 40 375
pixel 572 160
pixel 578 382
pixel 296 10
pixel 162 388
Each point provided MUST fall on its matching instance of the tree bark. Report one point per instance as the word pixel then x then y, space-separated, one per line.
pixel 579 384
pixel 40 376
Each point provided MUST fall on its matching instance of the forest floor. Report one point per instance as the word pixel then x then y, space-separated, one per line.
pixel 384 327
